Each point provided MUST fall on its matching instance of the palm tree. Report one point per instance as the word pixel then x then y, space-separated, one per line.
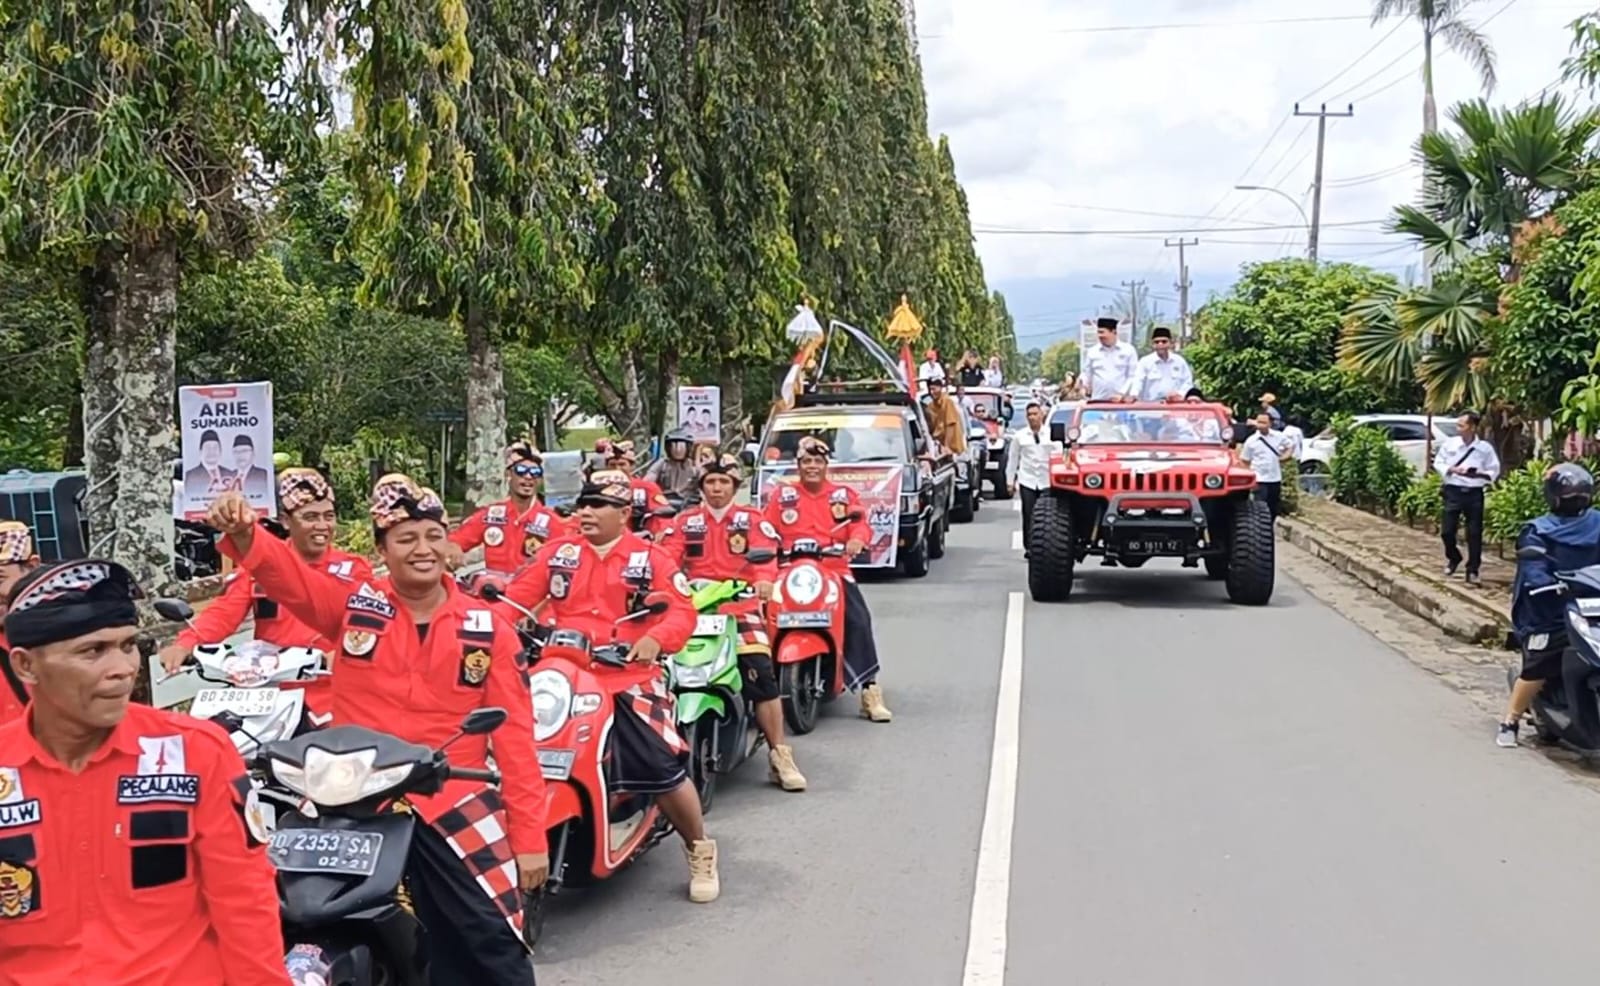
pixel 1441 19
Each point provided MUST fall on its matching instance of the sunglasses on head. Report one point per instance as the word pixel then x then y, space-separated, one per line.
pixel 527 469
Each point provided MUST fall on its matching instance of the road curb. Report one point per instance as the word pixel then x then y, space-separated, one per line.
pixel 1453 612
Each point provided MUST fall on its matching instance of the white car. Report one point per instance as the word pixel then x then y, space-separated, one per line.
pixel 1407 432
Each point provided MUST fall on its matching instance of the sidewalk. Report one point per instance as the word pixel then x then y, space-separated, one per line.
pixel 1405 566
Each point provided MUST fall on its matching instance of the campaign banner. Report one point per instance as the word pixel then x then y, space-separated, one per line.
pixel 878 488
pixel 700 413
pixel 226 431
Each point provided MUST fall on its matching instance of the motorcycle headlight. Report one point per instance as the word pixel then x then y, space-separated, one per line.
pixel 334 779
pixel 552 703
pixel 696 677
pixel 804 585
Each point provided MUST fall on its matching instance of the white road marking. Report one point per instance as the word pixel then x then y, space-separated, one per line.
pixel 1016 504
pixel 1016 540
pixel 991 892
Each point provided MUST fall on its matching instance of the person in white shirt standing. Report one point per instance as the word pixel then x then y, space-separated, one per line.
pixel 994 376
pixel 1162 375
pixel 1028 468
pixel 930 367
pixel 1108 368
pixel 1265 452
pixel 1467 464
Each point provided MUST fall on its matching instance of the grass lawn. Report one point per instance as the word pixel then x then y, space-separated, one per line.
pixel 582 439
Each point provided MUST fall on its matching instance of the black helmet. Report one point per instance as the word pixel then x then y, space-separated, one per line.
pixel 1568 489
pixel 680 435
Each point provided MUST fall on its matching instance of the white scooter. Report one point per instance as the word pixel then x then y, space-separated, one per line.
pixel 249 679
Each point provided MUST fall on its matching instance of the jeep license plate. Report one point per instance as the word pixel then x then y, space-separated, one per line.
pixel 1155 546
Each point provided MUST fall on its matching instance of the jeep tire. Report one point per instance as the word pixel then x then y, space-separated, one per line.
pixel 1052 553
pixel 915 561
pixel 1251 563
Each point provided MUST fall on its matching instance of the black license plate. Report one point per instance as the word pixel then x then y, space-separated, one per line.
pixel 1154 546
pixel 324 851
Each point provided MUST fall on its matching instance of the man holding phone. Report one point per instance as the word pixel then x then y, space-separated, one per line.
pixel 1467 464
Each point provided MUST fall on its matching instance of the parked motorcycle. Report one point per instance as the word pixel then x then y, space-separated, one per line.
pixel 713 715
pixel 806 620
pixel 340 863
pixel 1567 708
pixel 594 832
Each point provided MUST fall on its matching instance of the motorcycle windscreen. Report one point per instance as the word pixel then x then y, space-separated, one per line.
pixel 331 877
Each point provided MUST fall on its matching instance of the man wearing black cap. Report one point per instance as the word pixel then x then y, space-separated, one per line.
pixel 1163 375
pixel 255 481
pixel 208 478
pixel 1108 368
pixel 124 853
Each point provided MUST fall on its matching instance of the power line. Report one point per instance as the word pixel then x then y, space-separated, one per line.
pixel 1369 177
pixel 1399 23
pixel 1387 66
pixel 1014 231
pixel 1179 25
pixel 1402 77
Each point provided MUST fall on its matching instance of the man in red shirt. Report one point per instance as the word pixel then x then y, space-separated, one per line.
pixel 124 854
pixel 513 530
pixel 305 501
pixel 416 655
pixel 820 510
pixel 645 495
pixel 589 582
pixel 711 541
pixel 16 560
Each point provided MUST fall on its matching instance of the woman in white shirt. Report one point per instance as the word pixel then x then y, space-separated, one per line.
pixel 994 376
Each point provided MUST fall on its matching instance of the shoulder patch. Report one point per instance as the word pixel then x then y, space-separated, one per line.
pixel 788 494
pixel 839 495
pixel 495 514
pixel 768 530
pixel 681 583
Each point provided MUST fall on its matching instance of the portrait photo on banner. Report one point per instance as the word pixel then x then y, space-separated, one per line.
pixel 226 433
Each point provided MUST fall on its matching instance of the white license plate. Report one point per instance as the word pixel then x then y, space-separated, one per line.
pixel 556 765
pixel 710 625
pixel 789 621
pixel 245 702
pixel 308 850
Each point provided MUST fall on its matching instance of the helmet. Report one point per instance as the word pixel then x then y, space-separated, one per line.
pixel 1568 489
pixel 680 435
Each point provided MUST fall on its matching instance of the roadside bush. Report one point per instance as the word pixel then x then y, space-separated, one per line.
pixel 1289 499
pixel 1422 500
pixel 1513 501
pixel 1366 471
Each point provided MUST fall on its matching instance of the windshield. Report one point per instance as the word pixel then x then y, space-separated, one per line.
pixel 853 437
pixel 1196 427
pixel 1446 426
pixel 983 406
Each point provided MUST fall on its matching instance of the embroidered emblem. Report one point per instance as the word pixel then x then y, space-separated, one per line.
pixel 161 755
pixel 695 524
pixel 788 494
pixel 737 542
pixel 19 890
pixel 740 522
pixel 841 511
pixel 359 643
pixel 20 814
pixel 496 514
pixel 10 785
pixel 768 530
pixel 494 536
pixel 559 585
pixel 790 516
pixel 474 667
pixel 138 789
pixel 369 600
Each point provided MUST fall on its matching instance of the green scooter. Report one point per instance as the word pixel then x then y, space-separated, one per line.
pixel 713 717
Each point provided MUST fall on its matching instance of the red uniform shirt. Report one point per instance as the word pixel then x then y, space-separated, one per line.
pixel 822 516
pixel 509 537
pixel 137 871
pixel 708 548
pixel 419 689
pixel 10 705
pixel 274 624
pixel 589 594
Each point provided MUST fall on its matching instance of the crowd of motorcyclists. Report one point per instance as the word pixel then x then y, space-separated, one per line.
pixel 85 774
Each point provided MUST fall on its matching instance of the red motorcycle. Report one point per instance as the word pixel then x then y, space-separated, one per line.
pixel 593 831
pixel 806 624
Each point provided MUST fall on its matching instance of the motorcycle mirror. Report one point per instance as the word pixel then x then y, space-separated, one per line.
pixel 748 458
pixel 481 721
pixel 564 510
pixel 656 602
pixel 491 592
pixel 1531 552
pixel 759 556
pixel 174 610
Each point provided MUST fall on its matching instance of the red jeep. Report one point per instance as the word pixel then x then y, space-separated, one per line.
pixel 1143 481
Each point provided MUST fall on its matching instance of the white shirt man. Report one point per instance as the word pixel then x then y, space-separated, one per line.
pixel 1467 464
pixel 1162 375
pixel 1028 467
pixel 1297 440
pixel 1108 368
pixel 930 368
pixel 1264 452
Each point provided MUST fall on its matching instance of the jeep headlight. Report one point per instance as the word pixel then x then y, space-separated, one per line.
pixel 804 585
pixel 334 779
pixel 552 703
pixel 1093 481
pixel 1214 481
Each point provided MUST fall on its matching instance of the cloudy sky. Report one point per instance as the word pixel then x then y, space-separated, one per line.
pixel 1143 130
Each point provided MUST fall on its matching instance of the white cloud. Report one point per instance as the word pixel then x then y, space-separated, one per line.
pixel 1052 129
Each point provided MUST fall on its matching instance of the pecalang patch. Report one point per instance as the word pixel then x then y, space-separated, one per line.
pixel 19 890
pixel 23 813
pixel 138 789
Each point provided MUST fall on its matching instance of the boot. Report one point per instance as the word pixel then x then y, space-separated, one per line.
pixel 872 706
pixel 784 773
pixel 704 884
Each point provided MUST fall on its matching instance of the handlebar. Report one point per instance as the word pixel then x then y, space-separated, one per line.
pixel 474 774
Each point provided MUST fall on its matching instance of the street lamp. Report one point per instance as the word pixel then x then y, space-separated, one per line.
pixel 1284 195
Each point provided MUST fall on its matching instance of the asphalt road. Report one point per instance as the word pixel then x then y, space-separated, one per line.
pixel 1203 794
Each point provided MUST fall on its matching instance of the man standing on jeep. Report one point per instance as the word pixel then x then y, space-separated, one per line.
pixel 1108 368
pixel 944 418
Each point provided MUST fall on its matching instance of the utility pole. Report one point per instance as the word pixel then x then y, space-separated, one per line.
pixel 1316 182
pixel 1183 286
pixel 1133 308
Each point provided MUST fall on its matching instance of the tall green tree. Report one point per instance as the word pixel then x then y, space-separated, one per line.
pixel 1441 21
pixel 138 140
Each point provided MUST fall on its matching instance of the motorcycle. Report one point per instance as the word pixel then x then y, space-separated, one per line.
pixel 593 832
pixel 341 861
pixel 1567 708
pixel 713 716
pixel 806 624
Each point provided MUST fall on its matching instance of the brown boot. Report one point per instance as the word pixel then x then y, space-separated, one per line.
pixel 784 773
pixel 872 706
pixel 704 884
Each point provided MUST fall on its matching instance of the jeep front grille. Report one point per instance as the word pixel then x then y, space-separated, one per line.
pixel 1153 482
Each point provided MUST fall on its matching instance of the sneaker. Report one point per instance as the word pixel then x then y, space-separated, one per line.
pixel 705 885
pixel 1507 737
pixel 1472 579
pixel 1450 569
pixel 783 772
pixel 872 706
